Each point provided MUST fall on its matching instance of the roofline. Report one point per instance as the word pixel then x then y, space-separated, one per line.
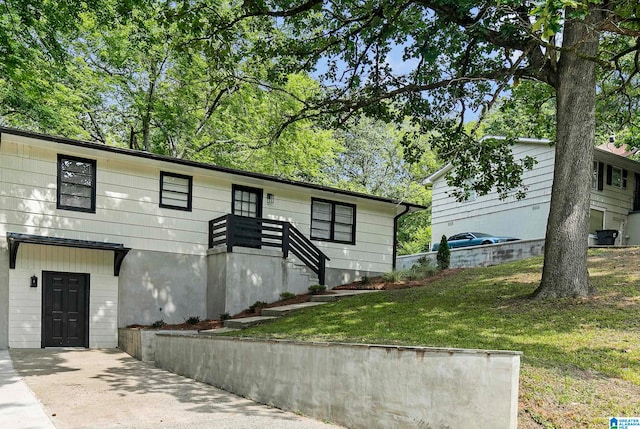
pixel 444 170
pixel 627 162
pixel 163 158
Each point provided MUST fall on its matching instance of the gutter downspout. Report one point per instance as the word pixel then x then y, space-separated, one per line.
pixel 395 236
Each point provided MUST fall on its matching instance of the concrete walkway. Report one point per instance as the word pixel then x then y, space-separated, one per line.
pixel 106 388
pixel 19 408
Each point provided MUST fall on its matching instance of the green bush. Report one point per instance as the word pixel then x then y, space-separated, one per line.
pixel 256 306
pixel 392 276
pixel 192 320
pixel 365 280
pixel 225 316
pixel 158 324
pixel 444 254
pixel 316 289
pixel 287 295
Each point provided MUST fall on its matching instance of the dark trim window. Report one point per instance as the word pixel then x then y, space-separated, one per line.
pixel 175 191
pixel 616 177
pixel 76 184
pixel 333 221
pixel 246 201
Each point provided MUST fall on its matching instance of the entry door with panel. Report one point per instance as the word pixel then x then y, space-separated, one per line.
pixel 247 202
pixel 65 309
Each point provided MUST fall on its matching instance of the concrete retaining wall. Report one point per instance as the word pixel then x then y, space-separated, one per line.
pixel 359 386
pixel 481 256
pixel 141 343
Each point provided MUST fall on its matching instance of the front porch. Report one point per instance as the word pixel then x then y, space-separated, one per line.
pixel 256 259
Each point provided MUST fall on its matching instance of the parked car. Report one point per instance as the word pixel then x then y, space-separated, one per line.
pixel 466 239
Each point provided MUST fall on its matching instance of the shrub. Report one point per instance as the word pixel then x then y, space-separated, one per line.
pixel 316 289
pixel 444 254
pixel 192 320
pixel 158 324
pixel 392 276
pixel 287 295
pixel 256 306
pixel 225 316
pixel 365 280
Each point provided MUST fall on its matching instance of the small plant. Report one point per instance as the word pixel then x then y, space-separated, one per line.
pixel 225 316
pixel 421 269
pixel 317 289
pixel 158 324
pixel 192 320
pixel 392 276
pixel 287 295
pixel 365 280
pixel 257 306
pixel 444 254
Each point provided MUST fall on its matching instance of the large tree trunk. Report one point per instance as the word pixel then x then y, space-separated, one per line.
pixel 565 257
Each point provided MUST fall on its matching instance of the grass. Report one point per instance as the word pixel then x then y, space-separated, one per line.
pixel 581 356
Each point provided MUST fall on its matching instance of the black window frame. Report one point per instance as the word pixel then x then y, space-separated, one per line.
pixel 257 191
pixel 333 221
pixel 623 177
pixel 94 166
pixel 189 207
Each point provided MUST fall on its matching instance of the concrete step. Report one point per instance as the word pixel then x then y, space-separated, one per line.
pixel 246 322
pixel 286 309
pixel 338 294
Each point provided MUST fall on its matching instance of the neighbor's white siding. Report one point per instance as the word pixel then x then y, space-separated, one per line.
pixel 525 219
pixel 616 203
pixel 25 303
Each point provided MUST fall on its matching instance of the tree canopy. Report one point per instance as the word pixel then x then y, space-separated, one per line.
pixel 435 61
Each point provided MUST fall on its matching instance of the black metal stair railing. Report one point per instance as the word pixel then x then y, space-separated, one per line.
pixel 231 230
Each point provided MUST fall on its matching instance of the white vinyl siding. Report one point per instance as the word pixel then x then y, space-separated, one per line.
pixel 175 191
pixel 128 210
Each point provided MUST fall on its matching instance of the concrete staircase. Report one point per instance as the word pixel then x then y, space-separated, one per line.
pixel 269 314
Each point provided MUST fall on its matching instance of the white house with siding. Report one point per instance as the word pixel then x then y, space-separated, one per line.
pixel 95 237
pixel 615 199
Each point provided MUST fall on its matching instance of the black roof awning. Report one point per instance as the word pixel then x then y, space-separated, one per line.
pixel 15 239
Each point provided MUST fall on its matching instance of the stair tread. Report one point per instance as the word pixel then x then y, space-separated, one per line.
pixel 246 321
pixel 286 309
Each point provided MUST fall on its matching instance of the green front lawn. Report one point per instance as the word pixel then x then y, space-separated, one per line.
pixel 581 361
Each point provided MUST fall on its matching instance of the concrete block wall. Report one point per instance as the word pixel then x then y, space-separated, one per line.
pixel 358 386
pixel 481 256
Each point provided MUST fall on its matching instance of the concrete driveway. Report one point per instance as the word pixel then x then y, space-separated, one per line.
pixel 103 388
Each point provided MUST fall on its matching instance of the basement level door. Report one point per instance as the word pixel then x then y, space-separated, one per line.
pixel 65 309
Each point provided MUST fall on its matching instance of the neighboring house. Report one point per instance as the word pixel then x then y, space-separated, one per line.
pixel 96 237
pixel 615 199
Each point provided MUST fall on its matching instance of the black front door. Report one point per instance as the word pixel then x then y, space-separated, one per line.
pixel 247 202
pixel 65 309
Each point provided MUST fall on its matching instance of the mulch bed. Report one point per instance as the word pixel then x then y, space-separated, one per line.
pixel 378 283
